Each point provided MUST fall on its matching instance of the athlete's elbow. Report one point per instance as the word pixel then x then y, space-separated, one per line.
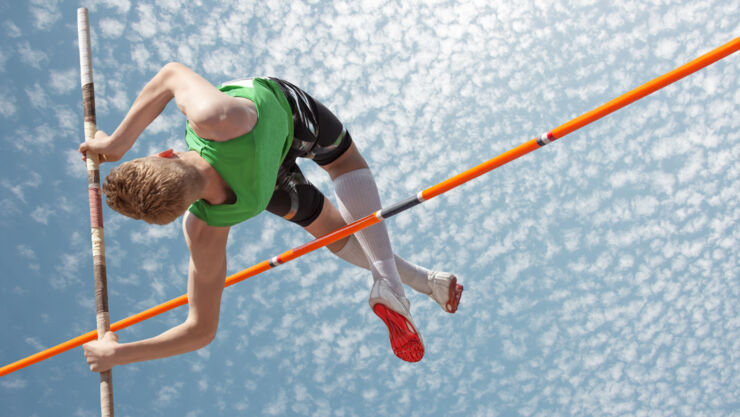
pixel 208 336
pixel 171 68
pixel 203 334
pixel 171 75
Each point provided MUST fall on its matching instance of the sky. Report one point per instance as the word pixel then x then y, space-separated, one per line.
pixel 601 272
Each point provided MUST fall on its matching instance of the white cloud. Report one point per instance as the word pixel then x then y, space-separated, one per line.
pixel 45 13
pixel 67 271
pixel 167 394
pixel 41 214
pixel 141 57
pixel 64 81
pixel 150 22
pixel 32 180
pixel 13 382
pixel 119 99
pixel 37 96
pixel 12 30
pixel 26 252
pixel 666 48
pixel 112 28
pixel 35 343
pixel 204 353
pixel 278 405
pixel 166 123
pixel 30 56
pixel 221 62
pixel 7 105
pixel 692 168
pixel 152 234
pixel 67 120
pixel 74 166
pixel 37 140
pixel 123 6
pixel 645 206
pixel 4 56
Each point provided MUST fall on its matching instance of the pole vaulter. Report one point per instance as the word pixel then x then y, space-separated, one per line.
pixel 427 194
pixel 96 206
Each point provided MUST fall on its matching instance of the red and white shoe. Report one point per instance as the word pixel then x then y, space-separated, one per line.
pixel 395 312
pixel 445 290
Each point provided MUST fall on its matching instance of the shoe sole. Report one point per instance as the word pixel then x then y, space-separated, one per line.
pixel 455 292
pixel 405 340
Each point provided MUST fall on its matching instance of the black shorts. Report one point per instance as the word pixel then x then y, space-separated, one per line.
pixel 317 135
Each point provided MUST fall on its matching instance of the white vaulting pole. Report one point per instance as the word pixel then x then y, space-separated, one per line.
pixel 96 208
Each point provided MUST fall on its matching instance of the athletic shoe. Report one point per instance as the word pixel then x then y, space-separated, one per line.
pixel 445 290
pixel 394 310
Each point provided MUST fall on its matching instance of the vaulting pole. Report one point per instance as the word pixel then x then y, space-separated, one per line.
pixel 96 207
pixel 431 192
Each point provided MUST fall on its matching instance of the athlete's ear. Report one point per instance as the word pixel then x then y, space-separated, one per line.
pixel 169 153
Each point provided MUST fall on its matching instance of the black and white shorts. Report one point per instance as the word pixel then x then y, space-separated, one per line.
pixel 317 135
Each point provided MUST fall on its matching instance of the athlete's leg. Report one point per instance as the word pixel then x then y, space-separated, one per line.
pixel 291 190
pixel 299 201
pixel 320 136
pixel 351 175
pixel 328 221
pixel 357 196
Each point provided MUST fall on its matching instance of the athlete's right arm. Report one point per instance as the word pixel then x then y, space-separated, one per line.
pixel 212 114
pixel 152 99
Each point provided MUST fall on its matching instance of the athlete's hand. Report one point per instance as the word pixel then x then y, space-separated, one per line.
pixel 104 146
pixel 100 354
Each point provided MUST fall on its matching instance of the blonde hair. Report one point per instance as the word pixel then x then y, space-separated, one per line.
pixel 156 190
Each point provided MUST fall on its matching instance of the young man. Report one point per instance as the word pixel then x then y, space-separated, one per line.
pixel 243 140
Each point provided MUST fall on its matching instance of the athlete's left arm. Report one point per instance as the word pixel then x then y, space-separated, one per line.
pixel 206 276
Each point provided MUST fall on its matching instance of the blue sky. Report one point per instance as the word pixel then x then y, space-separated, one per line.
pixel 601 272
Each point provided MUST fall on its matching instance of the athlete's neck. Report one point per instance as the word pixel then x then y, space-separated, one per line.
pixel 215 191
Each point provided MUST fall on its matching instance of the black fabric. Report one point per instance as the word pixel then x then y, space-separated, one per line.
pixel 317 135
pixel 295 198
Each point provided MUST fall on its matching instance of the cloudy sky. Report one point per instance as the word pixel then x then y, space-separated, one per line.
pixel 602 274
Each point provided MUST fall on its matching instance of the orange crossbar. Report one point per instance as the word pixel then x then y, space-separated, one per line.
pixel 479 170
pixel 431 192
pixel 587 118
pixel 648 88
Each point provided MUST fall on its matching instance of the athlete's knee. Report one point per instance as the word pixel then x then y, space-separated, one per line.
pixel 351 160
pixel 298 201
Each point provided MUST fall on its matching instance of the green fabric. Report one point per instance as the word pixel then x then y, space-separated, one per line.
pixel 249 164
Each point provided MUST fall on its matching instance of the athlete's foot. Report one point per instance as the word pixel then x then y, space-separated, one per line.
pixel 394 310
pixel 445 290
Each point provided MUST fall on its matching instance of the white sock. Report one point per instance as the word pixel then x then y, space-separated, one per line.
pixel 412 275
pixel 357 196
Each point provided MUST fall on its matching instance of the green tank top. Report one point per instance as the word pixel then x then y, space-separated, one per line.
pixel 249 164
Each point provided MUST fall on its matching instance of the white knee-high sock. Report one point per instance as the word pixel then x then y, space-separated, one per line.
pixel 412 275
pixel 357 196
